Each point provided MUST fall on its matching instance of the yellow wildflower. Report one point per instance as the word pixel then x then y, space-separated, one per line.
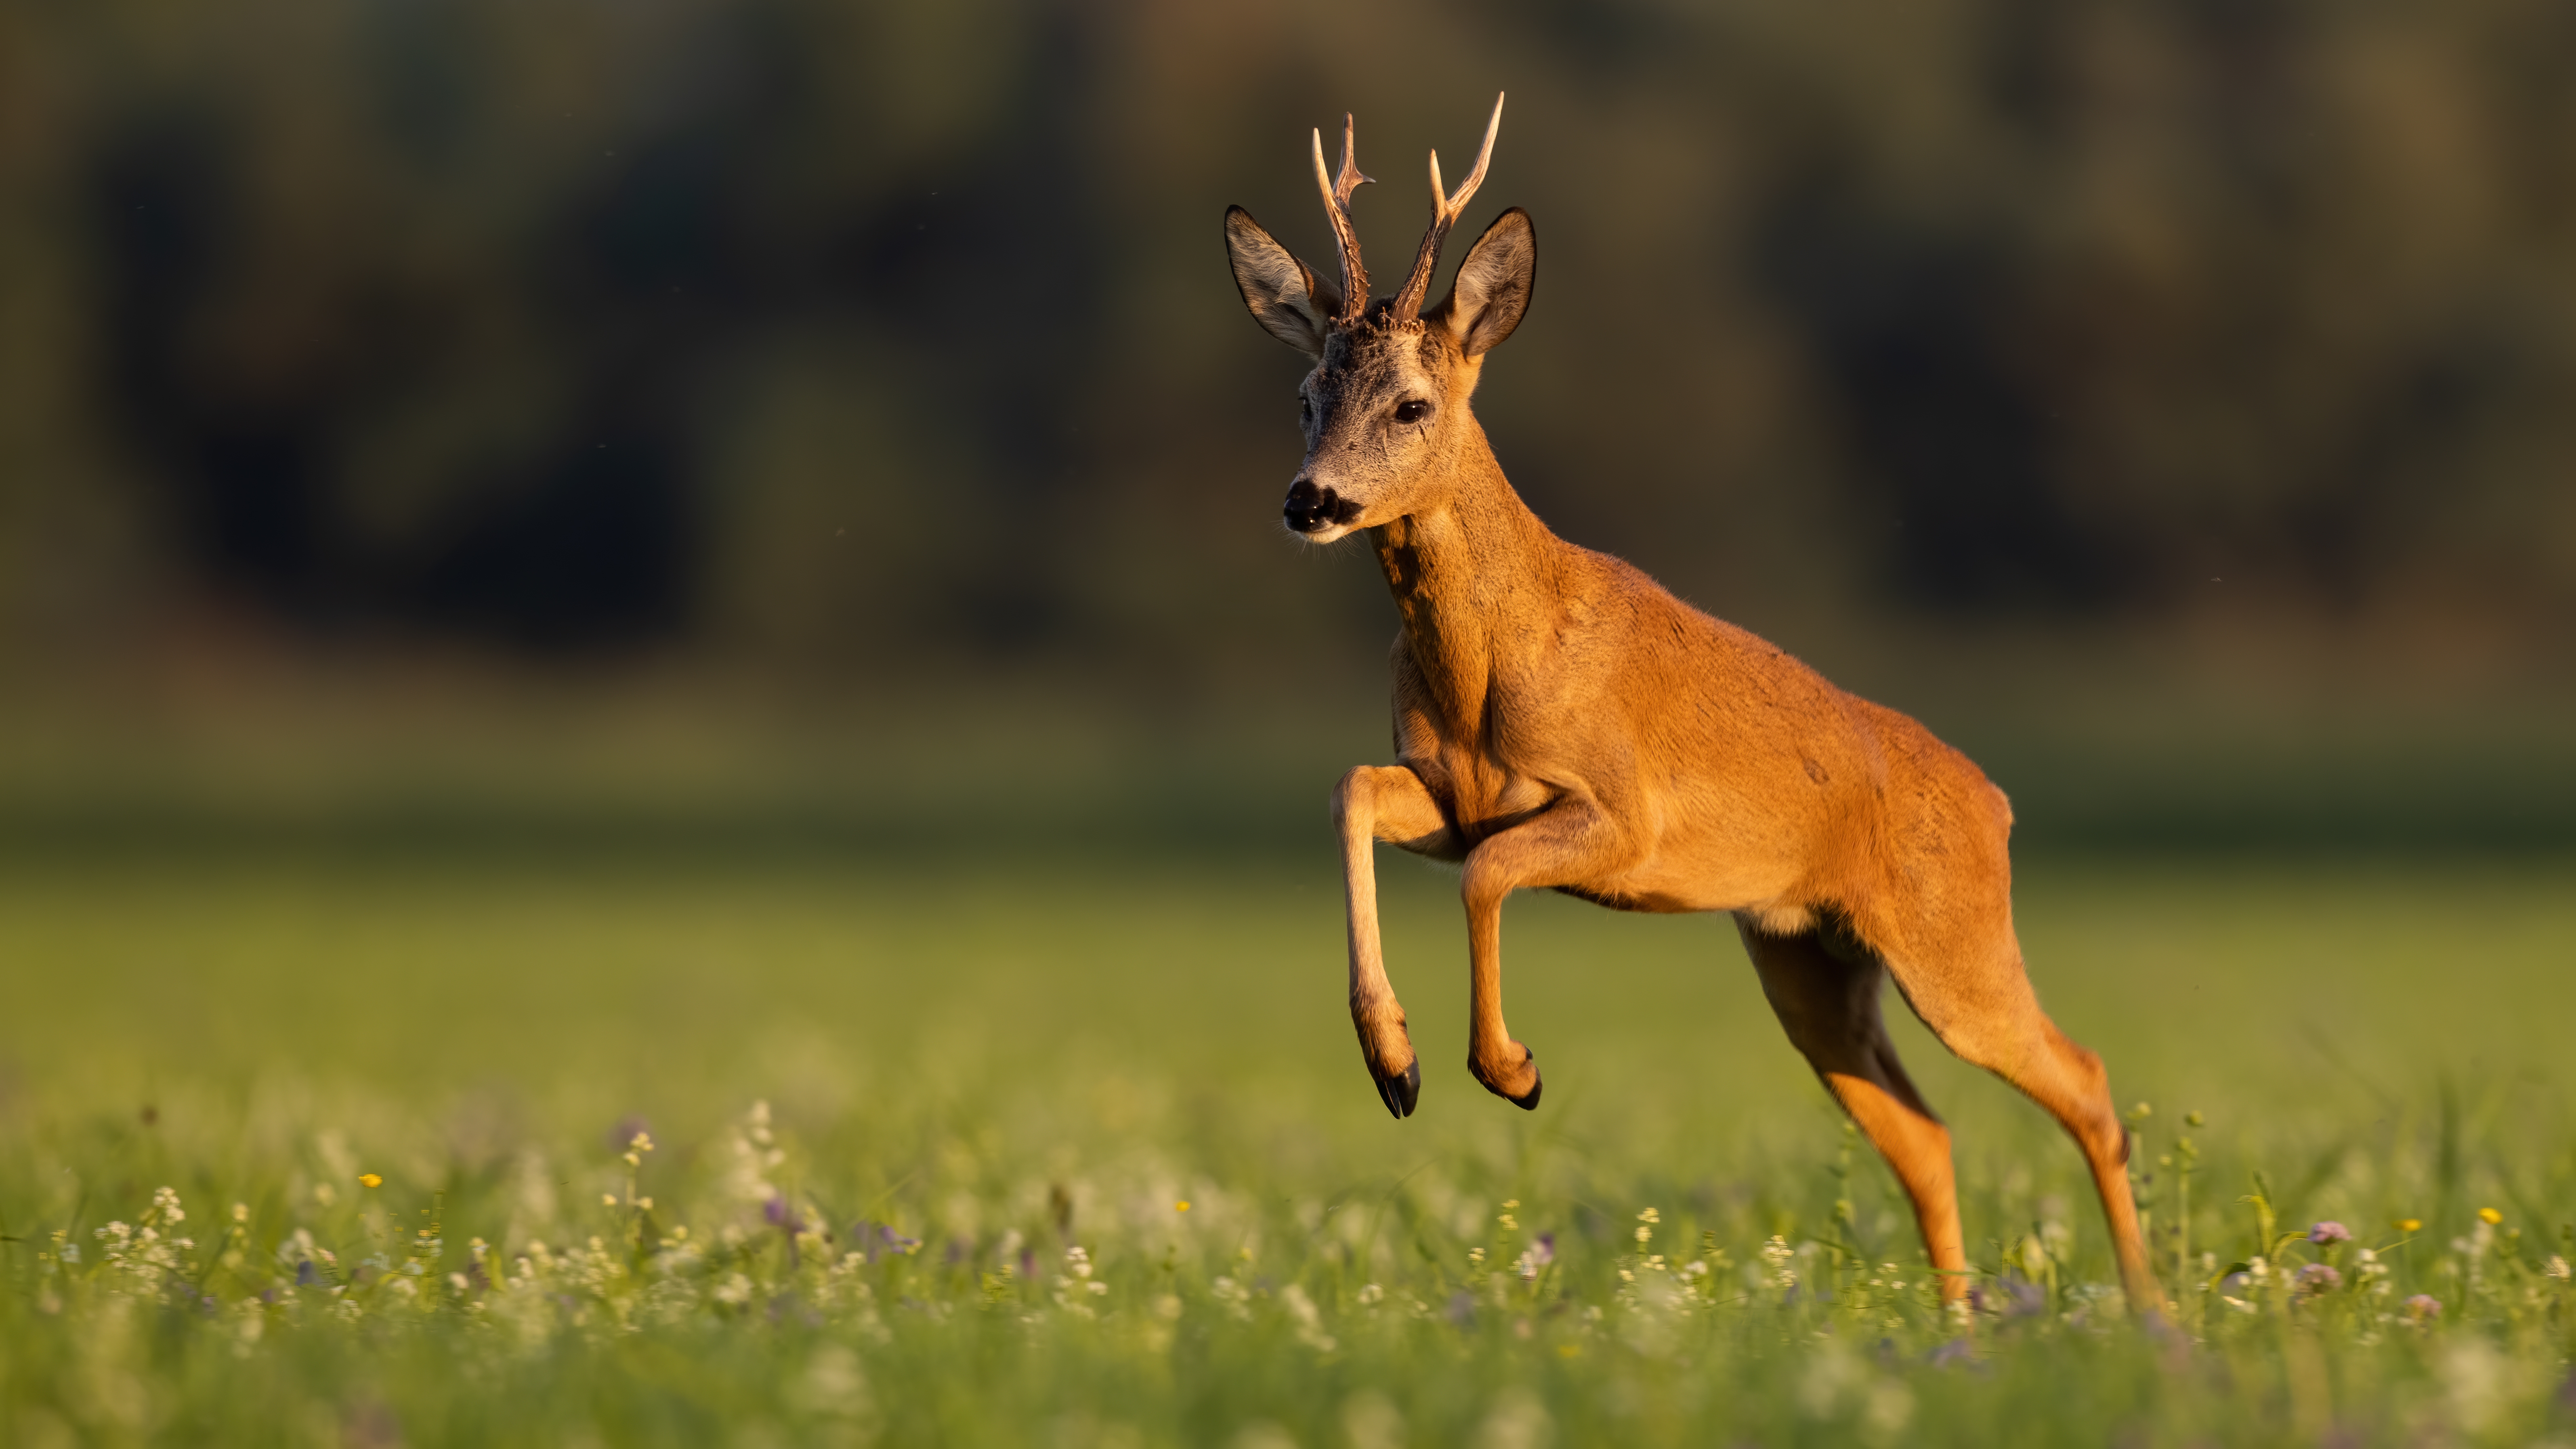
pixel 2490 1216
pixel 369 1179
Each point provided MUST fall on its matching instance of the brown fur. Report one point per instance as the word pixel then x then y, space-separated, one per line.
pixel 1561 721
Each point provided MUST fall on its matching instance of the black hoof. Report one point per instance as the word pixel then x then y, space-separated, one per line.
pixel 1530 1102
pixel 1400 1092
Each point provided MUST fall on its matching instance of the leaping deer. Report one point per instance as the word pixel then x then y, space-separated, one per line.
pixel 1563 722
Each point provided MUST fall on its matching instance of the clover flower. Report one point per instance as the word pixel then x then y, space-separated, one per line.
pixel 2319 1278
pixel 2329 1231
pixel 2423 1308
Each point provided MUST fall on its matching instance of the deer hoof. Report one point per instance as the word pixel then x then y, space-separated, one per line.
pixel 1527 1100
pixel 1402 1090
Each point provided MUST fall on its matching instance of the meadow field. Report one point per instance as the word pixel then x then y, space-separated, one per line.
pixel 381 1147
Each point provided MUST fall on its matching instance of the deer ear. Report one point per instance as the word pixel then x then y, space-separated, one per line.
pixel 1493 286
pixel 1285 296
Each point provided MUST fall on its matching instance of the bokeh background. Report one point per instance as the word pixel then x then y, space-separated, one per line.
pixel 570 558
pixel 777 426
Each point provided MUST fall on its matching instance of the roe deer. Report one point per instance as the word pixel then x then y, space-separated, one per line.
pixel 1563 722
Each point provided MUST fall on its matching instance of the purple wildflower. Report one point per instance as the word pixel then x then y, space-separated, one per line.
pixel 777 1212
pixel 2318 1278
pixel 2023 1298
pixel 2423 1308
pixel 2329 1231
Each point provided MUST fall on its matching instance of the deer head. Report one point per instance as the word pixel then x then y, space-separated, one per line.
pixel 1385 408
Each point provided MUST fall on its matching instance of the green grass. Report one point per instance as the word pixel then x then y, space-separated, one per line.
pixel 1004 1061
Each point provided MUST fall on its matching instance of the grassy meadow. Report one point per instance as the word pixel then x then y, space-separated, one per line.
pixel 1074 1148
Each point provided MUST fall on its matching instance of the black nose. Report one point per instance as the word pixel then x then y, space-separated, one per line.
pixel 1311 509
pixel 1308 506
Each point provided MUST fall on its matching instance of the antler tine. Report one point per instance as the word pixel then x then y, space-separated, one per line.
pixel 1452 206
pixel 1349 179
pixel 1337 207
pixel 1445 211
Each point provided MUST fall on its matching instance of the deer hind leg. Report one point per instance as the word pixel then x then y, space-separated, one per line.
pixel 1979 1002
pixel 1829 1006
pixel 1389 803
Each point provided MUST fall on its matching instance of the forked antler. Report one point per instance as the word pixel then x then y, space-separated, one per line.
pixel 1337 205
pixel 1445 211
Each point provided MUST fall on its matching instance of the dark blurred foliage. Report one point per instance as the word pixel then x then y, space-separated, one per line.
pixel 853 337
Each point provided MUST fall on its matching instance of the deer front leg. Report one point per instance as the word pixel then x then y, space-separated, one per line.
pixel 1568 844
pixel 1389 803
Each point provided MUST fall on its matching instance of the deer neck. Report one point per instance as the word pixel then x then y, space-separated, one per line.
pixel 1474 577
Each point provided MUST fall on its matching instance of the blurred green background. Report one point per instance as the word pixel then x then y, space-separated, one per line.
pixel 724 442
pixel 772 420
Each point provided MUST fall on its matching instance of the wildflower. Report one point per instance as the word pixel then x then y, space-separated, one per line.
pixel 2408 1225
pixel 1778 1254
pixel 2329 1231
pixel 369 1179
pixel 2423 1308
pixel 2490 1216
pixel 1182 1206
pixel 241 1212
pixel 2319 1278
pixel 1534 1259
pixel 608 1199
pixel 2557 1267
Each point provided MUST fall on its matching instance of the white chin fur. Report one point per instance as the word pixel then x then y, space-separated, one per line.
pixel 1337 531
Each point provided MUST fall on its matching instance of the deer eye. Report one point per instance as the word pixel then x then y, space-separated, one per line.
pixel 1305 410
pixel 1411 410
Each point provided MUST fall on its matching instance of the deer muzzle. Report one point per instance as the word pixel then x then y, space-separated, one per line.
pixel 1311 510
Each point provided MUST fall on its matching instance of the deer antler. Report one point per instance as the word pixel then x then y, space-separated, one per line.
pixel 1337 205
pixel 1445 211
